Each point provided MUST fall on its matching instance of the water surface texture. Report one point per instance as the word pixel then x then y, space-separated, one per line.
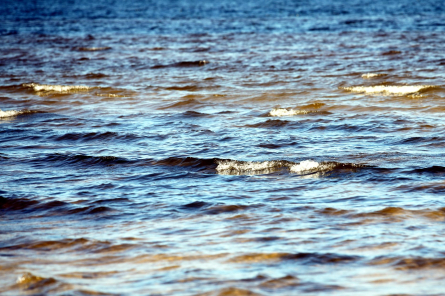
pixel 222 148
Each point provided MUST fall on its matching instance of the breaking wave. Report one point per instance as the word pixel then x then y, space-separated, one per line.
pixel 372 75
pixel 10 113
pixel 57 88
pixel 305 167
pixel 286 112
pixel 13 113
pixel 392 90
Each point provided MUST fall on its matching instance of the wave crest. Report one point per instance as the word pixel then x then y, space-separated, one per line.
pixel 286 112
pixel 57 88
pixel 392 90
pixel 305 167
pixel 14 113
pixel 10 113
pixel 372 75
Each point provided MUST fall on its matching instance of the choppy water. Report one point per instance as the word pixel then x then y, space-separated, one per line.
pixel 230 148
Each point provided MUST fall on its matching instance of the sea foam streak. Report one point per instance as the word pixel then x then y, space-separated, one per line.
pixel 286 112
pixel 393 90
pixel 57 88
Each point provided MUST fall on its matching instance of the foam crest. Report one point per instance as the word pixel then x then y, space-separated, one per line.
pixel 286 112
pixel 57 88
pixel 305 167
pixel 393 90
pixel 245 167
pixel 10 113
pixel 372 75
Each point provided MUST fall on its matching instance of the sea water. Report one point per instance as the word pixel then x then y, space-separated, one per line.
pixel 222 148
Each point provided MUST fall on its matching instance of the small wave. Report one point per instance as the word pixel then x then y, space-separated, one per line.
pixel 191 162
pixel 287 112
pixel 95 75
pixel 392 90
pixel 372 75
pixel 57 88
pixel 10 113
pixel 391 52
pixel 411 263
pixel 310 166
pixel 183 104
pixel 93 48
pixel 184 64
pixel 13 113
pixel 112 95
pixel 270 123
pixel 93 136
pixel 235 167
pixel 308 258
pixel 71 159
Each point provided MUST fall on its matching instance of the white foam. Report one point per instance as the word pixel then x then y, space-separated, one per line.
pixel 10 113
pixel 57 88
pixel 286 112
pixel 112 95
pixel 372 75
pixel 246 166
pixel 393 90
pixel 234 167
pixel 305 166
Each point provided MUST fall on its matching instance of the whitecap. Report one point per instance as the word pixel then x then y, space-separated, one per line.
pixel 305 166
pixel 57 88
pixel 372 75
pixel 393 90
pixel 235 167
pixel 286 112
pixel 246 167
pixel 10 113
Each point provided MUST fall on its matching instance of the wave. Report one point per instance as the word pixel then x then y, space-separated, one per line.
pixel 93 48
pixel 71 159
pixel 270 123
pixel 392 90
pixel 183 104
pixel 93 136
pixel 13 113
pixel 305 258
pixel 57 88
pixel 287 112
pixel 191 162
pixel 184 64
pixel 306 167
pixel 372 75
pixel 10 113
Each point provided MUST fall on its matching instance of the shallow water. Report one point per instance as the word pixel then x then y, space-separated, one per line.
pixel 236 148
